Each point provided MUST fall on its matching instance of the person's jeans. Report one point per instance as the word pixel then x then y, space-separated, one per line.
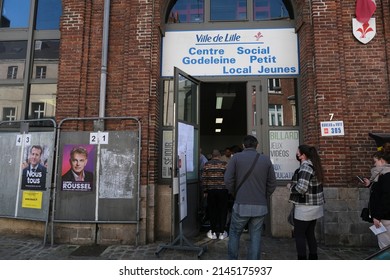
pixel 237 224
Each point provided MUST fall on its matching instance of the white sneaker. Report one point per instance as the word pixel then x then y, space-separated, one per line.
pixel 211 235
pixel 223 235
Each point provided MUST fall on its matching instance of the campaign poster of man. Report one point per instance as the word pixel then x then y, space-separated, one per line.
pixel 78 165
pixel 35 168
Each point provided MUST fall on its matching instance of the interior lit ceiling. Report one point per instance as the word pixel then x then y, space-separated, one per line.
pixel 233 109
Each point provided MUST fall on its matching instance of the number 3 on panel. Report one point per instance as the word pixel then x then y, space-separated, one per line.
pixel 20 138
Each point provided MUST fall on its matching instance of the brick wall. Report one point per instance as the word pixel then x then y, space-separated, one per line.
pixel 344 77
pixel 132 77
pixel 341 76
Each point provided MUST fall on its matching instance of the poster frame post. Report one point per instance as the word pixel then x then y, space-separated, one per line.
pixel 22 130
pixel 181 242
pixel 96 134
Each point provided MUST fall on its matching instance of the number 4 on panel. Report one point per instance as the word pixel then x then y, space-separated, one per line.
pixel 20 138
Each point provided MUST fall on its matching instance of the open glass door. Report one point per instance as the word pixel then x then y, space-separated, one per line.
pixel 185 162
pixel 186 145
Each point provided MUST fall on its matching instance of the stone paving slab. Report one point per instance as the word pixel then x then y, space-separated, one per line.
pixel 23 248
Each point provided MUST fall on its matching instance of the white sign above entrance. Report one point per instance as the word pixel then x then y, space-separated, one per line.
pixel 238 52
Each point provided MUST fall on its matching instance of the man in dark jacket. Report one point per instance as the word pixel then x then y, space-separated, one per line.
pixel 250 204
pixel 34 175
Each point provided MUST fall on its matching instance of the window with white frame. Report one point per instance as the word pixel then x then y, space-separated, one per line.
pixel 12 72
pixel 38 110
pixel 9 114
pixel 274 86
pixel 40 72
pixel 16 17
pixel 275 115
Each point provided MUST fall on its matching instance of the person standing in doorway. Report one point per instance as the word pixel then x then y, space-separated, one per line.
pixel 217 195
pixel 308 197
pixel 251 178
pixel 227 155
pixel 202 160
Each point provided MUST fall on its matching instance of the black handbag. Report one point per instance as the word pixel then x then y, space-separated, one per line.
pixel 290 218
pixel 365 215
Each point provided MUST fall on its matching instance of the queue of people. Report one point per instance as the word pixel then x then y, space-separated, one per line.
pixel 250 178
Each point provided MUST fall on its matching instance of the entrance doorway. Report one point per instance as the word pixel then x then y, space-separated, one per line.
pixel 264 107
pixel 231 110
pixel 229 52
pixel 223 115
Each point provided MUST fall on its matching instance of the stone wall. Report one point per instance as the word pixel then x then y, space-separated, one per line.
pixel 341 224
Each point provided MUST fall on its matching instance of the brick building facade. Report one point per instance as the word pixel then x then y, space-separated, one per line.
pixel 338 77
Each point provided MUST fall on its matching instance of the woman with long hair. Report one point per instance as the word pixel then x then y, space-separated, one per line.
pixel 380 193
pixel 308 197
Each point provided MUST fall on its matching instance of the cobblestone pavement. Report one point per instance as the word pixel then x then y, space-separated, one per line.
pixel 23 248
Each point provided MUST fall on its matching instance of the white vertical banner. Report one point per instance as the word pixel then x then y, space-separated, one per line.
pixel 185 162
pixel 186 143
pixel 182 185
pixel 167 154
pixel 283 147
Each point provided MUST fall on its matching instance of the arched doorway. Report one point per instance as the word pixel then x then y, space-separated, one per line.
pixel 245 55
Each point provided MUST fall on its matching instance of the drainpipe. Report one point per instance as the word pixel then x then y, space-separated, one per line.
pixel 103 73
pixel 99 124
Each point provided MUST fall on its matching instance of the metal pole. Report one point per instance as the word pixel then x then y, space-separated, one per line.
pixel 103 75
